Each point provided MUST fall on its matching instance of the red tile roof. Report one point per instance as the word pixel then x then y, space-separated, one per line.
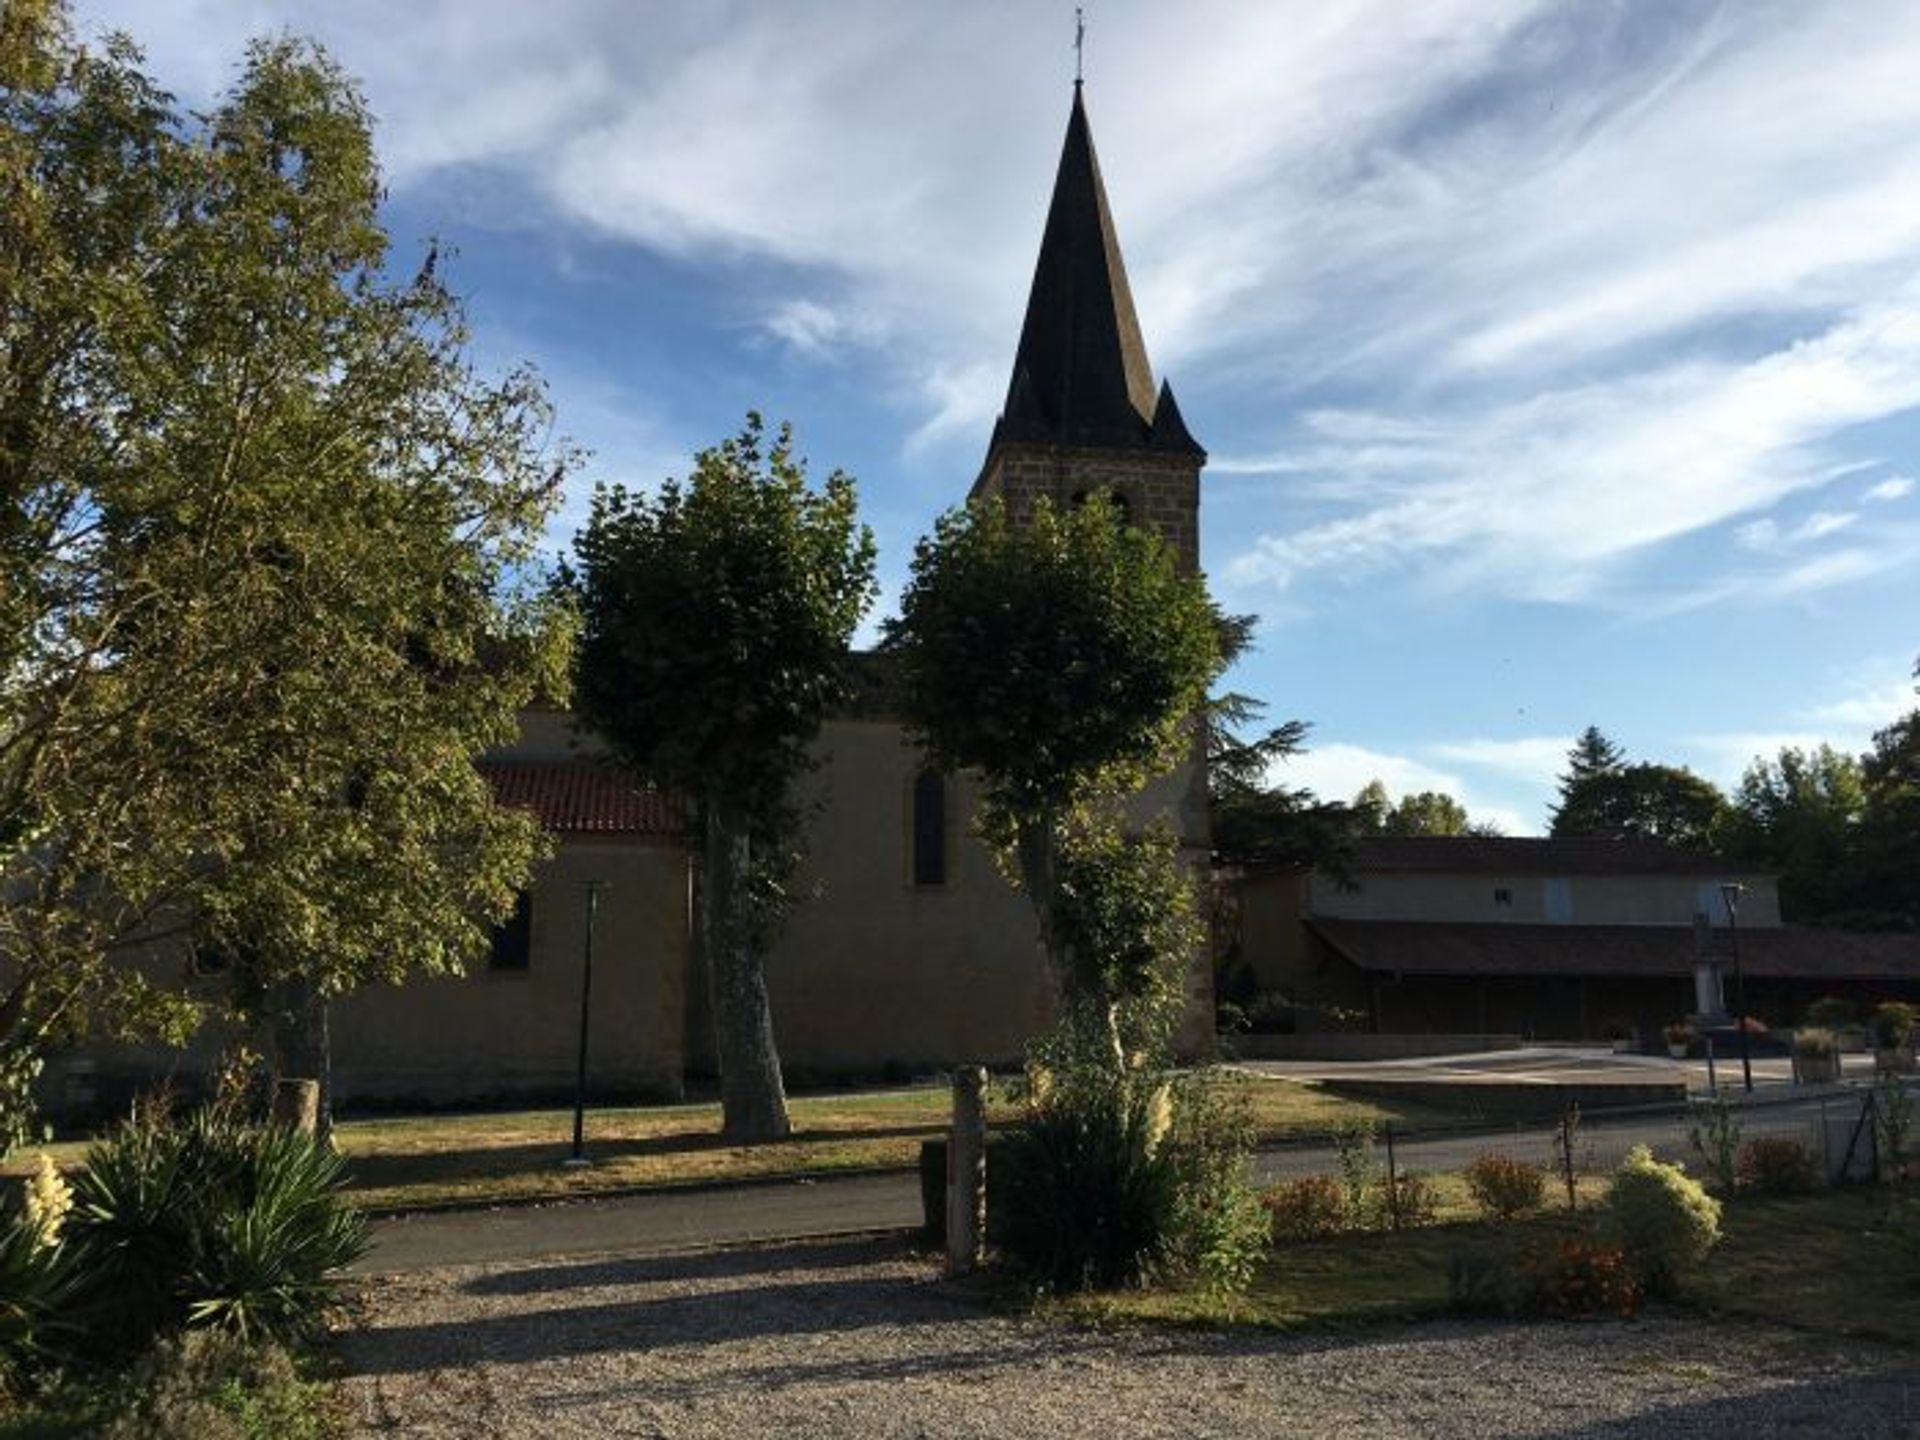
pixel 1433 948
pixel 584 799
pixel 1571 855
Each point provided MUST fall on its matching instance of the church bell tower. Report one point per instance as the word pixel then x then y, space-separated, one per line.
pixel 1082 415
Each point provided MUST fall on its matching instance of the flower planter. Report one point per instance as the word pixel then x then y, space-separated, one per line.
pixel 1678 1052
pixel 1816 1069
pixel 1893 1062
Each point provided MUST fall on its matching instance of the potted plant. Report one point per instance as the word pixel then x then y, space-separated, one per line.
pixel 1816 1055
pixel 1620 1034
pixel 1891 1029
pixel 1679 1039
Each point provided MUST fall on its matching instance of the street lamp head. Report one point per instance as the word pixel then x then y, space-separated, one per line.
pixel 1731 891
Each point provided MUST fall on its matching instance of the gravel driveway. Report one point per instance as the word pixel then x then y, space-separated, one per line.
pixel 862 1338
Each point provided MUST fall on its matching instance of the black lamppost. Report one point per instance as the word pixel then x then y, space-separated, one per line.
pixel 1731 891
pixel 579 1156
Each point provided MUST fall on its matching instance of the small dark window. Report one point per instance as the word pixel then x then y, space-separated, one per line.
pixel 208 958
pixel 1122 508
pixel 1503 898
pixel 513 941
pixel 929 828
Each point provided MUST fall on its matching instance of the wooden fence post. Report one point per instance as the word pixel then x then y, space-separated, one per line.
pixel 967 1172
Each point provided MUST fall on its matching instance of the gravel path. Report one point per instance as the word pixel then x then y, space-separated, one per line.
pixel 863 1339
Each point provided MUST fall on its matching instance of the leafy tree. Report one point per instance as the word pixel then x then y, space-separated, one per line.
pixel 1253 820
pixel 1123 916
pixel 1592 754
pixel 1800 814
pixel 1889 850
pixel 1373 804
pixel 1426 812
pixel 258 555
pixel 1642 802
pixel 1064 659
pixel 1430 812
pixel 716 617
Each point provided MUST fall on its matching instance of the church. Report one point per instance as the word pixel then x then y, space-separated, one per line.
pixel 911 952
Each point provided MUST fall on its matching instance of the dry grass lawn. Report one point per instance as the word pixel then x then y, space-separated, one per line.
pixel 422 1161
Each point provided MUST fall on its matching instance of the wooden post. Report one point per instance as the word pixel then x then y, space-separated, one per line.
pixel 967 1172
pixel 296 1105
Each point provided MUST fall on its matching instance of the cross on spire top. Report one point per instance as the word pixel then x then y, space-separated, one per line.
pixel 1079 43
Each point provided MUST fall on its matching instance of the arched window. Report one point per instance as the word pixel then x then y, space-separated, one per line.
pixel 929 828
pixel 513 940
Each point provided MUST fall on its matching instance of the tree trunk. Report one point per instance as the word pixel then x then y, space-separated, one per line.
pixel 1036 844
pixel 303 1045
pixel 753 1101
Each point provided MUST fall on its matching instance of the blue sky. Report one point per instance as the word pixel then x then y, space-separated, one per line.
pixel 1559 362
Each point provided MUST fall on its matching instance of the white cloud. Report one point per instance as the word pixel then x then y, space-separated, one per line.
pixel 1894 488
pixel 1723 757
pixel 816 331
pixel 1339 771
pixel 1542 497
pixel 1534 271
pixel 1881 692
pixel 1531 759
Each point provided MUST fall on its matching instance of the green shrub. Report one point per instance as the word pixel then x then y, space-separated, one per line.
pixel 1715 1136
pixel 1083 1199
pixel 208 1222
pixel 1310 1208
pixel 1815 1042
pixel 1218 1230
pixel 1359 1171
pixel 1505 1188
pixel 38 1280
pixel 1113 1180
pixel 1408 1199
pixel 1893 1122
pixel 1777 1165
pixel 1482 1280
pixel 1664 1221
pixel 207 1385
pixel 1891 1024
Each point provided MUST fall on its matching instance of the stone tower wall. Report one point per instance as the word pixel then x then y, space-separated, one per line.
pixel 1161 490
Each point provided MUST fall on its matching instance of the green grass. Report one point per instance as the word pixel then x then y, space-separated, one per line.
pixel 1824 1263
pixel 412 1162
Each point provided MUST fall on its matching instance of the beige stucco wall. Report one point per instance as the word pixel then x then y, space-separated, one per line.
pixel 1591 899
pixel 873 970
pixel 503 1033
pixel 1272 942
pixel 548 736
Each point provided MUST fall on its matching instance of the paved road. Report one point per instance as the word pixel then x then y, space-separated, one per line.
pixel 645 1224
pixel 664 1222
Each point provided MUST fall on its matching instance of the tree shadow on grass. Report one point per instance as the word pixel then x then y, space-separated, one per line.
pixel 399 1170
pixel 689 1265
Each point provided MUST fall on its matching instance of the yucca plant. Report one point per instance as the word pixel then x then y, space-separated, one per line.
pixel 205 1221
pixel 265 1262
pixel 38 1280
pixel 1085 1199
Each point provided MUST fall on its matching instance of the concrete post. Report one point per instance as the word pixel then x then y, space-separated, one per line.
pixel 296 1104
pixel 967 1172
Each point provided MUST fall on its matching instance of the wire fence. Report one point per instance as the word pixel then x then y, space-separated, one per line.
pixel 1839 1137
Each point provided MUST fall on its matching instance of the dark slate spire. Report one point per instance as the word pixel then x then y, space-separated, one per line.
pixel 1081 375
